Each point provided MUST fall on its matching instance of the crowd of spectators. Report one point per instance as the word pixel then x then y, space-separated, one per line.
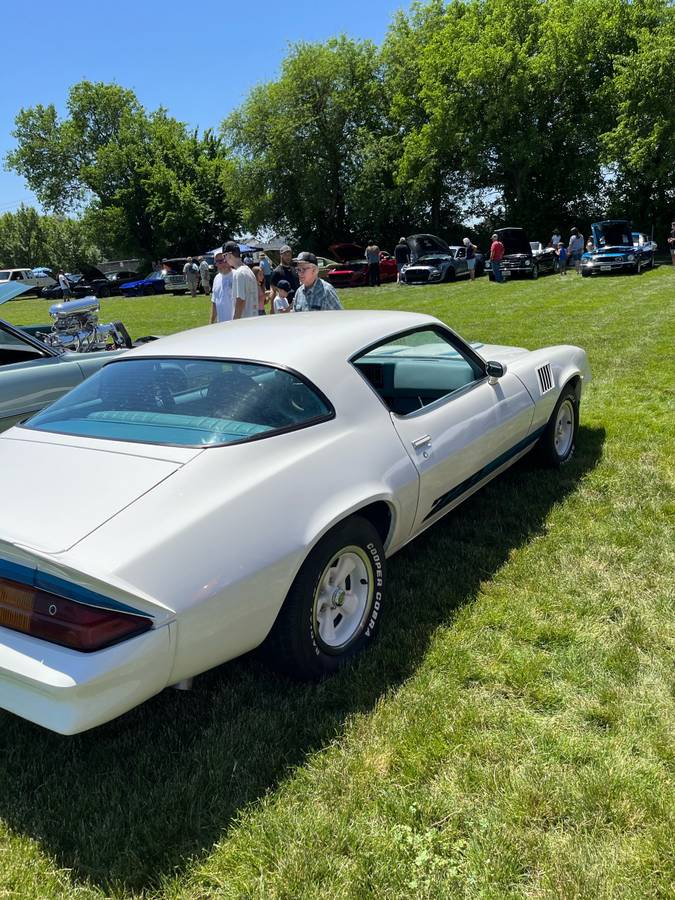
pixel 242 289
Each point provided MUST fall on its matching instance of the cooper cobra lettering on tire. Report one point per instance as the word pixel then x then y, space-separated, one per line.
pixel 334 606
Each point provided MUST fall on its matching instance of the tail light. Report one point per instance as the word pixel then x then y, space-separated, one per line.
pixel 58 620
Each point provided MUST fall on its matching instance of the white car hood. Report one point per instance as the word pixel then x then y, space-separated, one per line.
pixel 498 353
pixel 54 494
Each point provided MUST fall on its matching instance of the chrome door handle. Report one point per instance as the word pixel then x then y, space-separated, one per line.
pixel 421 442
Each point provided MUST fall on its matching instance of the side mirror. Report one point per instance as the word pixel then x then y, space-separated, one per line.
pixel 494 371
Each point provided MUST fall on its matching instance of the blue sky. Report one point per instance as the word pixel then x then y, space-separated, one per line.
pixel 199 61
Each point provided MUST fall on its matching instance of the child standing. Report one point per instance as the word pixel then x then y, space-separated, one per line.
pixel 562 258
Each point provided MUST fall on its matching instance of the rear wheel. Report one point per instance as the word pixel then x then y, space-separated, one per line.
pixel 333 609
pixel 558 442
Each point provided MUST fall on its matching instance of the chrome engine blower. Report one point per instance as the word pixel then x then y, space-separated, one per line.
pixel 76 327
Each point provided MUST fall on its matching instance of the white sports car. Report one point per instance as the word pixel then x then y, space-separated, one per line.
pixel 245 483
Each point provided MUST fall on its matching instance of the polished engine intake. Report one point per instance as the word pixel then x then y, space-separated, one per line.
pixel 76 327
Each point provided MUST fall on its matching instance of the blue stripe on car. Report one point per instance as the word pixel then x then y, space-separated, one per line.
pixel 473 480
pixel 63 588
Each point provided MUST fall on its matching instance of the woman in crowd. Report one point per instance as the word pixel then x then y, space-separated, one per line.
pixel 470 257
pixel 262 293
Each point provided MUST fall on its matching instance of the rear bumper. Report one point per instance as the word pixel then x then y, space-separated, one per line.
pixel 68 692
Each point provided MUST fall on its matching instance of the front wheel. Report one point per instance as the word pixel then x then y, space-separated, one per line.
pixel 333 610
pixel 558 442
pixel 535 273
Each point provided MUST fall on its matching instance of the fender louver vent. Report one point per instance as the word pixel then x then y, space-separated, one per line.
pixel 545 377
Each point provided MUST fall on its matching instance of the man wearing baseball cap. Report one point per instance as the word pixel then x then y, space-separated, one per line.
pixel 314 293
pixel 496 255
pixel 244 284
pixel 285 271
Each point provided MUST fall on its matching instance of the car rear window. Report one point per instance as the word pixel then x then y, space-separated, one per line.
pixel 185 402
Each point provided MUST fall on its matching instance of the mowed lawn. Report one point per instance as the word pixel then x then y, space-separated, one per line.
pixel 512 734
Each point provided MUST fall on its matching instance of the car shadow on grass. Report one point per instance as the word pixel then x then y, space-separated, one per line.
pixel 134 801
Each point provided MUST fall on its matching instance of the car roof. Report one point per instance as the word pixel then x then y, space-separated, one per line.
pixel 316 344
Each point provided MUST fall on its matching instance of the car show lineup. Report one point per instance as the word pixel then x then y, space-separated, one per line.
pixel 132 591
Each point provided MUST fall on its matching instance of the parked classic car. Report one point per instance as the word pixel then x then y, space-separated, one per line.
pixel 613 250
pixel 352 268
pixel 34 279
pixel 339 436
pixel 154 283
pixel 434 261
pixel 87 283
pixel 648 247
pixel 172 272
pixel 119 279
pixel 39 363
pixel 519 258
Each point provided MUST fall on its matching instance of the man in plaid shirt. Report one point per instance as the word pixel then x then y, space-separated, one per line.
pixel 314 293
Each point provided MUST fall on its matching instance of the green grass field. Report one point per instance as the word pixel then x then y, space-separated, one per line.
pixel 512 734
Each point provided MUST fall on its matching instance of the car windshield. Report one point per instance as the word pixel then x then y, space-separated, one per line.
pixel 185 402
pixel 4 275
pixel 156 274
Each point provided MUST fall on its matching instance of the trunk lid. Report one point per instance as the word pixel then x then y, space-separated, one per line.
pixel 345 252
pixel 72 490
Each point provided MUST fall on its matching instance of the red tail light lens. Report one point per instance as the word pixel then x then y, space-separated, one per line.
pixel 78 626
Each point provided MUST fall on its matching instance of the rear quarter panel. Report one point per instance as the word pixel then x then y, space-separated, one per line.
pixel 221 541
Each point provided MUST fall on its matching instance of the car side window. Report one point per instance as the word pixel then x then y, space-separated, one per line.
pixel 461 253
pixel 17 276
pixel 416 369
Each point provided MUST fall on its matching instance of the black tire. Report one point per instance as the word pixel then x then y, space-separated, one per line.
pixel 535 272
pixel 103 292
pixel 585 274
pixel 551 449
pixel 638 267
pixel 450 275
pixel 295 643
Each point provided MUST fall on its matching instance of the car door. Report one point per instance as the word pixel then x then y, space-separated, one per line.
pixel 457 425
pixel 31 376
pixel 461 267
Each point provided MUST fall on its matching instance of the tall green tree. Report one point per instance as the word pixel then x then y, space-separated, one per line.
pixel 505 101
pixel 639 146
pixel 313 146
pixel 30 239
pixel 145 183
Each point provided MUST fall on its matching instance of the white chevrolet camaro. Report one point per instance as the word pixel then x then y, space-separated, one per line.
pixel 242 483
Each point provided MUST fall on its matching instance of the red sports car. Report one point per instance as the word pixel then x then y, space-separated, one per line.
pixel 353 268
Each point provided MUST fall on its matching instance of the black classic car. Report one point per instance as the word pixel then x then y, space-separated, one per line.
pixel 435 261
pixel 89 282
pixel 520 258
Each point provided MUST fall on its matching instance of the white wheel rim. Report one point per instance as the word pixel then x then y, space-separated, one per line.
pixel 564 428
pixel 343 598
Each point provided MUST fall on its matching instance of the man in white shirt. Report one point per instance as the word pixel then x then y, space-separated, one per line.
pixel 222 307
pixel 64 284
pixel 244 284
pixel 204 275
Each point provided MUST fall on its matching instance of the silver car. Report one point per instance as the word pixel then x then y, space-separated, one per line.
pixel 39 363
